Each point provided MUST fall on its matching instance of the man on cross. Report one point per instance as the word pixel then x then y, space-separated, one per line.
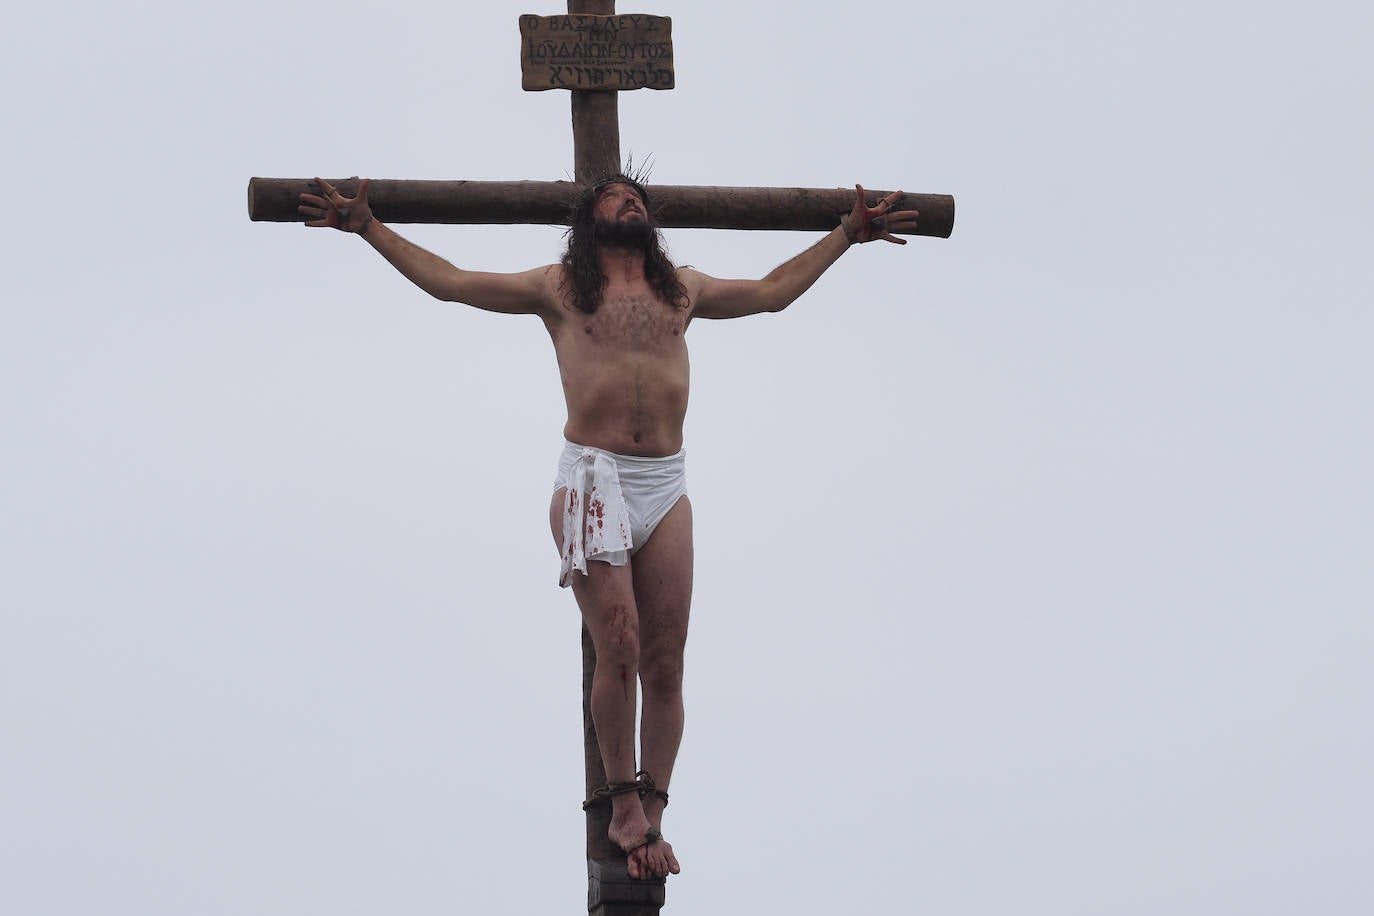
pixel 618 311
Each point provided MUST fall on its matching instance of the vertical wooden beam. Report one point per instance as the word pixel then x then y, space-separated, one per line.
pixel 596 135
pixel 594 150
pixel 610 892
pixel 595 116
pixel 596 153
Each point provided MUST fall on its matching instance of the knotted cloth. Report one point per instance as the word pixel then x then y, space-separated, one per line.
pixel 596 523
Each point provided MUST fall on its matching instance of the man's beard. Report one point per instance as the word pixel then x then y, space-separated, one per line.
pixel 634 235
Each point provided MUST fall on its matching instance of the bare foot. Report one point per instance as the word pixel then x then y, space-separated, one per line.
pixel 650 860
pixel 658 859
pixel 653 810
pixel 653 860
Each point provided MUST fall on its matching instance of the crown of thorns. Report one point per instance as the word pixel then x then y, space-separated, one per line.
pixel 594 192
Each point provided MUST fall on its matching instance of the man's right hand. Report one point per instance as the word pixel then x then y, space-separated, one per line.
pixel 334 211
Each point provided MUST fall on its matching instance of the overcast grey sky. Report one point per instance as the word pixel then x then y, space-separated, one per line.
pixel 1033 565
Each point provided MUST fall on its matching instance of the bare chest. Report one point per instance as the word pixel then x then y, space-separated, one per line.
pixel 633 321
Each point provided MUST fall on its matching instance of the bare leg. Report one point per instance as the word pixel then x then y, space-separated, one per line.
pixel 606 598
pixel 663 592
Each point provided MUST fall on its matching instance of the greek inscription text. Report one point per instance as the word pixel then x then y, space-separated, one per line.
pixel 596 52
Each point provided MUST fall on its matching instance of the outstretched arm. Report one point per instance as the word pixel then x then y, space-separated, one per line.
pixel 523 293
pixel 716 298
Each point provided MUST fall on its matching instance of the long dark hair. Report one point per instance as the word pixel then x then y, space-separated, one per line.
pixel 582 276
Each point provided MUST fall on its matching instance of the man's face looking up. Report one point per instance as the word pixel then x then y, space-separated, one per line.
pixel 622 220
pixel 620 200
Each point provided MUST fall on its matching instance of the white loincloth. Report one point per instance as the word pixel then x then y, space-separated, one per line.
pixel 613 503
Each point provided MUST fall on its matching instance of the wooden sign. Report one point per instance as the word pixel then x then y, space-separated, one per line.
pixel 596 52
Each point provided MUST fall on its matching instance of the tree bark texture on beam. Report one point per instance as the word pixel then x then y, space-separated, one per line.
pixel 596 135
pixel 549 203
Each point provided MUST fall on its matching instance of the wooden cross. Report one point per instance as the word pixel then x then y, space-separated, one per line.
pixel 596 54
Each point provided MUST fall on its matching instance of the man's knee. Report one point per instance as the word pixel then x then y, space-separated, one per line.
pixel 615 634
pixel 621 649
pixel 661 673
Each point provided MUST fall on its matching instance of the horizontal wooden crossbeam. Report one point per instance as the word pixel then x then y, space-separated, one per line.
pixel 549 203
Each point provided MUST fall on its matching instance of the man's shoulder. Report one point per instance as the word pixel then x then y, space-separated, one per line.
pixel 689 274
pixel 548 278
pixel 691 279
pixel 551 275
pixel 555 289
pixel 550 272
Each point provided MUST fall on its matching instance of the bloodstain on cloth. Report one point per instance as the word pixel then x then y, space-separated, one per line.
pixel 596 523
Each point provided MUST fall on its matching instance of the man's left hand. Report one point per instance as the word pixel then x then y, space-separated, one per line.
pixel 865 223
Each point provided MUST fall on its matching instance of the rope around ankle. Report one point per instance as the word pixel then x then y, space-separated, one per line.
pixel 648 787
pixel 602 794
